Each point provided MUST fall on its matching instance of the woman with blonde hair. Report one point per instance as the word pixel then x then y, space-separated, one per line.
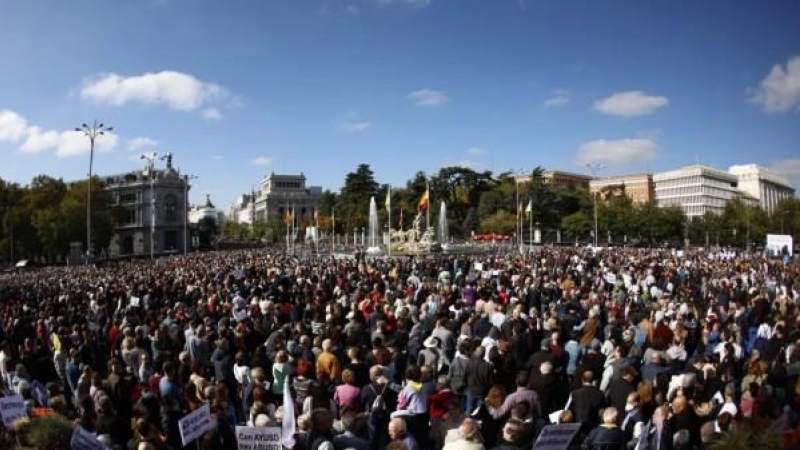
pixel 280 370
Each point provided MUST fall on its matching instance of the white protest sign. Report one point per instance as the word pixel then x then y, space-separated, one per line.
pixel 11 408
pixel 194 424
pixel 135 302
pixel 610 278
pixel 259 438
pixel 83 440
pixel 479 267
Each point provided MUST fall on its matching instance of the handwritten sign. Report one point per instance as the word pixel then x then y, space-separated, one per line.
pixel 11 408
pixel 557 437
pixel 83 440
pixel 194 424
pixel 259 438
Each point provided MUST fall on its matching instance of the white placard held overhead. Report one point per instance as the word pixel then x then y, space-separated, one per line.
pixel 12 407
pixel 195 424
pixel 83 440
pixel 259 438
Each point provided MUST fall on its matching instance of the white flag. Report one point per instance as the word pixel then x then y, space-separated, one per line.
pixel 288 425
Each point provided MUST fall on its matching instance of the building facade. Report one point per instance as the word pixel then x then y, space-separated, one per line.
pixel 766 186
pixel 639 188
pixel 278 196
pixel 697 190
pixel 560 179
pixel 133 193
pixel 242 209
pixel 206 211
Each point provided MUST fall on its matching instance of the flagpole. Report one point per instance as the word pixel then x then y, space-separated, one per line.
pixel 389 221
pixel 333 232
pixel 316 230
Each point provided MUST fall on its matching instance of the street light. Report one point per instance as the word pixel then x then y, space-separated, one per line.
pixel 186 179
pixel 151 162
pixel 593 168
pixel 92 132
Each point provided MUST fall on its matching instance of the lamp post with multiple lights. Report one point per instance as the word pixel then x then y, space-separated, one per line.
pixel 186 179
pixel 92 132
pixel 593 168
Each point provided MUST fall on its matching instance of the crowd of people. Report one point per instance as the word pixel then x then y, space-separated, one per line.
pixel 641 348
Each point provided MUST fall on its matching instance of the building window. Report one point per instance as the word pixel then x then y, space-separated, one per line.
pixel 129 217
pixel 127 197
pixel 170 208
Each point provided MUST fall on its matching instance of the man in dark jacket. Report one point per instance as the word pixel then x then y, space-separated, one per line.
pixel 607 436
pixel 587 401
pixel 479 376
pixel 619 389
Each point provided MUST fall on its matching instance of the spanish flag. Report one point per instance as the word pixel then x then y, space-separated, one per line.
pixel 423 202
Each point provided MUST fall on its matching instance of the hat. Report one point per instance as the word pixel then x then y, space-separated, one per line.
pixel 431 342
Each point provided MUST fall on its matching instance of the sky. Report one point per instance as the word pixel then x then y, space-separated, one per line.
pixel 237 89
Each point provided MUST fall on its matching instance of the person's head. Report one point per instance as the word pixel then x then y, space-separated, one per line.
pixel 375 372
pixel 511 430
pixel 327 345
pixel 281 357
pixel 479 352
pixel 587 377
pixel 678 404
pixel 413 373
pixel 322 420
pixel 566 417
pixel 632 401
pixel 304 368
pixel 680 440
pixel 397 429
pixel 521 379
pixel 610 415
pixel 470 430
pixel 348 377
pixel 546 368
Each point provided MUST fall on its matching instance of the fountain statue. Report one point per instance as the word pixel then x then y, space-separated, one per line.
pixel 373 230
pixel 443 237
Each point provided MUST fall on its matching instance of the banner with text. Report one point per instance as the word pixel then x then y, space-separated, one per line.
pixel 11 408
pixel 258 438
pixel 195 424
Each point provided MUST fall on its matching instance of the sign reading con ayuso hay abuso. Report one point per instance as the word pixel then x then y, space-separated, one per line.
pixel 194 424
pixel 11 408
pixel 259 438
pixel 83 440
pixel 557 437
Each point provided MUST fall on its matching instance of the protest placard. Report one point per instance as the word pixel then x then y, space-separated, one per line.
pixel 557 437
pixel 194 424
pixel 83 440
pixel 11 408
pixel 258 438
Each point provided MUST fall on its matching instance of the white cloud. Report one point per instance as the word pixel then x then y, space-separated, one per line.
pixel 354 127
pixel 630 104
pixel 217 157
pixel 617 152
pixel 15 129
pixel 428 97
pixel 352 9
pixel 176 90
pixel 779 92
pixel 141 143
pixel 261 161
pixel 476 151
pixel 559 97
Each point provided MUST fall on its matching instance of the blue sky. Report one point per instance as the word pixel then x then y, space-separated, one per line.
pixel 238 89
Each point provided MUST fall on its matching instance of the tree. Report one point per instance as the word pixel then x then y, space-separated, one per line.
pixel 359 186
pixel 577 225
pixel 501 222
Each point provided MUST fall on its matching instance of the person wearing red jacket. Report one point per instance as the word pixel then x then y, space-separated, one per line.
pixel 439 401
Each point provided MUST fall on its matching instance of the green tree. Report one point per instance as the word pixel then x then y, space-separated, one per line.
pixel 576 225
pixel 501 222
pixel 353 205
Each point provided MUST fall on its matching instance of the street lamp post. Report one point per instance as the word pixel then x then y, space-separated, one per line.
pixel 593 168
pixel 151 162
pixel 92 132
pixel 186 179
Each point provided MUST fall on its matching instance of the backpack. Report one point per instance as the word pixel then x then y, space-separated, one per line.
pixel 378 405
